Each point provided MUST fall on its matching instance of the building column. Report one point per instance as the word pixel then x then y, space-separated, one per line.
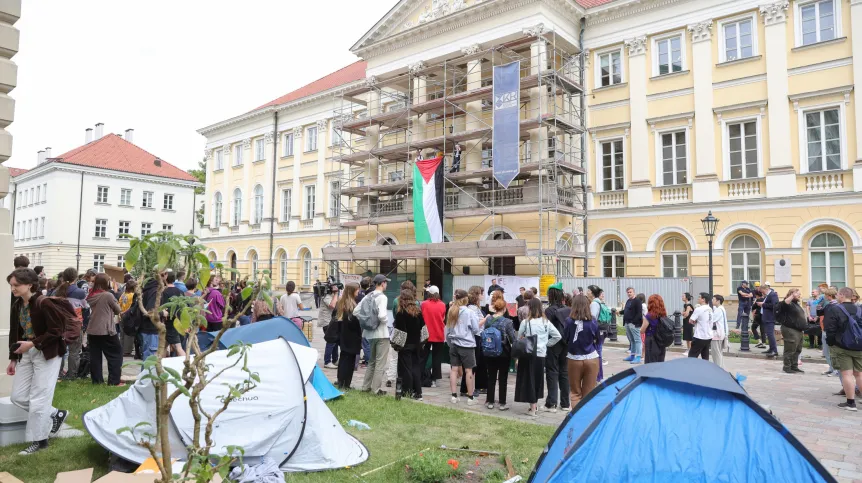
pixel 856 28
pixel 209 214
pixel 248 189
pixel 418 95
pixel 227 192
pixel 296 190
pixel 321 205
pixel 640 187
pixel 472 150
pixel 780 176
pixel 538 100
pixel 705 181
pixel 372 133
pixel 268 210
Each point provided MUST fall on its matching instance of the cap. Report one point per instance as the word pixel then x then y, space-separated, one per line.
pixel 767 283
pixel 433 289
pixel 756 284
pixel 745 282
pixel 379 278
pixel 558 286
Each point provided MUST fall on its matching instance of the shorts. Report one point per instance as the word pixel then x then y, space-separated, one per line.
pixel 845 360
pixel 462 356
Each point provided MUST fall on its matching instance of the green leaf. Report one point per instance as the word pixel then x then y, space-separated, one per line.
pixel 202 259
pixel 132 256
pixel 233 351
pixel 267 298
pixel 142 423
pixel 164 256
pixel 246 292
pixel 265 272
pixel 204 275
pixel 173 372
pixel 255 376
pixel 124 429
pixel 133 363
pixel 181 388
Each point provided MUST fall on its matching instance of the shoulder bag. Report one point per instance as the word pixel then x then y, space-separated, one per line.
pixel 525 347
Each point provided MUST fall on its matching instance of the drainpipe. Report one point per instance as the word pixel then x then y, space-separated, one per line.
pixel 80 209
pixel 583 138
pixel 274 172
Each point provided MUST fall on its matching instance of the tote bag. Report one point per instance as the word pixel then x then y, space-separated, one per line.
pixel 525 347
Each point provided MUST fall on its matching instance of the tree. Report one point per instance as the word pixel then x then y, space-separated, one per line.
pixel 149 257
pixel 201 174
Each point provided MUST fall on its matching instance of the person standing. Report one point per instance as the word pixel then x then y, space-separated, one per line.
pixel 392 365
pixel 36 350
pixel 720 330
pixel 214 304
pixel 846 359
pixel 602 315
pixel 770 301
pixel 520 298
pixel 498 367
pixel 77 297
pixel 475 297
pixel 364 286
pixel 102 333
pixel 757 317
pixel 829 298
pixel 793 321
pixel 378 338
pixel 745 298
pixel 494 287
pixel 408 318
pixel 179 281
pixel 462 327
pixel 173 338
pixel 349 336
pixel 529 383
pixel 581 336
pixel 633 320
pixel 701 319
pixel 456 159
pixel 434 313
pixel 556 362
pixel 653 351
pixel 687 328
pixel 291 304
pixel 324 317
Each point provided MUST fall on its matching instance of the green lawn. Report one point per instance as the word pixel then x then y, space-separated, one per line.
pixel 398 429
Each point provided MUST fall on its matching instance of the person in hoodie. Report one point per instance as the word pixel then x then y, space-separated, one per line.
pixel 214 303
pixel 581 336
pixel 77 297
pixel 556 368
pixel 102 332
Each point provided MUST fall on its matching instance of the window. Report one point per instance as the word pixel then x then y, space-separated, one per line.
pixel 360 181
pixel 217 207
pixel 258 150
pixel 38 193
pixel 335 134
pixel 124 227
pixel 99 262
pixel 611 70
pixel 237 155
pixel 828 260
pixel 285 205
pixel 309 202
pixel 101 228
pixel 25 198
pixel 287 148
pixel 306 267
pixel 674 160
pixel 237 207
pixel 817 22
pixel 168 203
pixel 36 228
pixel 671 55
pixel 744 260
pixel 565 265
pixel 396 176
pixel 742 150
pixel 282 268
pixel 121 261
pixel 44 192
pixel 738 40
pixel 32 197
pixel 334 199
pixel 254 265
pixel 147 200
pixel 125 197
pixel 311 139
pixel 42 228
pixel 17 230
pixel 219 159
pixel 168 228
pixel 674 259
pixel 613 260
pixel 258 205
pixel 102 194
pixel 823 136
pixel 146 228
pixel 612 169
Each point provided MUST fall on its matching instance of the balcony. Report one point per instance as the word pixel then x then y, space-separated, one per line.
pixel 744 189
pixel 824 182
pixel 234 229
pixel 307 224
pixel 668 195
pixel 610 200
pixel 516 199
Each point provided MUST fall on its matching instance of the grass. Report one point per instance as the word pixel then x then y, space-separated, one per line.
pixel 399 430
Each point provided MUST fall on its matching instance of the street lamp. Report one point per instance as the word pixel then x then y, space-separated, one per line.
pixel 710 223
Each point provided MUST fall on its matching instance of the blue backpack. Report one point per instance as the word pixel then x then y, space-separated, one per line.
pixel 851 338
pixel 492 341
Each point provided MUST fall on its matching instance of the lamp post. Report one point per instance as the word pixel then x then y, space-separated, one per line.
pixel 710 223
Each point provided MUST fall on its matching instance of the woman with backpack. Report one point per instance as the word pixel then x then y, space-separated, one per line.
pixel 498 329
pixel 77 297
pixel 102 332
pixel 602 315
pixel 653 351
pixel 349 336
pixel 529 384
pixel 556 367
pixel 408 318
pixel 462 326
pixel 581 336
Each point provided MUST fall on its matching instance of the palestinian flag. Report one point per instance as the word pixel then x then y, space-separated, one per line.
pixel 428 200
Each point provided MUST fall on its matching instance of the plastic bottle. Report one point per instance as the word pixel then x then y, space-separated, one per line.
pixel 358 425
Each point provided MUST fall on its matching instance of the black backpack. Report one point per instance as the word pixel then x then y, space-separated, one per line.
pixel 664 332
pixel 131 319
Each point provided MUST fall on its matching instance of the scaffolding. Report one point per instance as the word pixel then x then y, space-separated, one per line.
pixel 385 125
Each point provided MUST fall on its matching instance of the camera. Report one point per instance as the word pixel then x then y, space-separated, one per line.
pixel 333 285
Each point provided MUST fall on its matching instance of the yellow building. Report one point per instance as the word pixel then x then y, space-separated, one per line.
pixel 741 108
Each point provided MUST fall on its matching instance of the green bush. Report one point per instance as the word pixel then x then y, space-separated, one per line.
pixel 430 467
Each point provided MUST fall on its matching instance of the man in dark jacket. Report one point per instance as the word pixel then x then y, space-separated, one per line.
pixel 770 301
pixel 793 321
pixel 556 363
pixel 846 360
pixel 632 320
pixel 149 332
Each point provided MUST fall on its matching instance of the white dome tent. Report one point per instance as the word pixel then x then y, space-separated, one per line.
pixel 283 417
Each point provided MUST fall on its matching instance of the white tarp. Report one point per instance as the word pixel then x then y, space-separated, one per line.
pixel 274 419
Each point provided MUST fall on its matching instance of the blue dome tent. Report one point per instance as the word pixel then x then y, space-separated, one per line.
pixel 682 420
pixel 270 330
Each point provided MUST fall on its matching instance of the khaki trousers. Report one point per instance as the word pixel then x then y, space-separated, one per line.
pixel 582 378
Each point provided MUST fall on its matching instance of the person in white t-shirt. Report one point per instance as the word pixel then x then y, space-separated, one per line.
pixel 719 335
pixel 290 304
pixel 701 318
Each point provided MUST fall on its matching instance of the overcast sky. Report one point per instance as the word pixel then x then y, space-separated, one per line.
pixel 169 67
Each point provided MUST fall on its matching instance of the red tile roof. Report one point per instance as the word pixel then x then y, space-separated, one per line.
pixel 346 75
pixel 592 3
pixel 17 171
pixel 115 153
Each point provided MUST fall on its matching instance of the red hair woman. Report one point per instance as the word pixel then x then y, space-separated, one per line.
pixel 653 351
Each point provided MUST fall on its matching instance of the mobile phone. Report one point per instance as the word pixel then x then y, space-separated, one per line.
pixel 15 346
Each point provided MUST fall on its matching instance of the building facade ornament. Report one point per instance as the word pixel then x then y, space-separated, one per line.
pixel 297 132
pixel 416 67
pixel 321 126
pixel 208 154
pixel 471 49
pixel 637 45
pixel 226 150
pixel 246 143
pixel 534 31
pixel 267 138
pixel 701 31
pixel 438 9
pixel 774 13
pixel 371 81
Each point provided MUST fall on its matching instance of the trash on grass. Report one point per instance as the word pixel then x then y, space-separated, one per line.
pixel 358 425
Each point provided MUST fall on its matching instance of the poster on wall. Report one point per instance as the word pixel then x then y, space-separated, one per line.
pixel 782 271
pixel 348 278
pixel 510 284
pixel 507 125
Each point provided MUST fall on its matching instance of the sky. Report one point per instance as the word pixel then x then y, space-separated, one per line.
pixel 167 68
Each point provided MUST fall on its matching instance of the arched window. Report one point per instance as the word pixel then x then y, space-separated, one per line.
pixel 566 243
pixel 282 267
pixel 674 259
pixel 305 256
pixel 501 265
pixel 744 260
pixel 258 204
pixel 828 260
pixel 613 259
pixel 236 215
pixel 217 207
pixel 232 259
pixel 254 265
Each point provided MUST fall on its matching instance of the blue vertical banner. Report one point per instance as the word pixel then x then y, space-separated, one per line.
pixel 507 100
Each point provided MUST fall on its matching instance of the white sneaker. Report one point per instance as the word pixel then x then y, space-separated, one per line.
pixel 330 366
pixel 605 362
pixel 471 402
pixel 547 409
pixel 504 407
pixel 433 383
pixel 453 400
pixel 489 406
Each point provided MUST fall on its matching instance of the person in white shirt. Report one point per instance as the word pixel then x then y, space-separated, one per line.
pixel 701 318
pixel 290 303
pixel 378 338
pixel 719 335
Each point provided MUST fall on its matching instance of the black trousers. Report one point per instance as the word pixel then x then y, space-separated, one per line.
pixel 110 346
pixel 498 371
pixel 654 352
pixel 755 324
pixel 410 370
pixel 435 351
pixel 557 376
pixel 346 366
pixel 700 348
